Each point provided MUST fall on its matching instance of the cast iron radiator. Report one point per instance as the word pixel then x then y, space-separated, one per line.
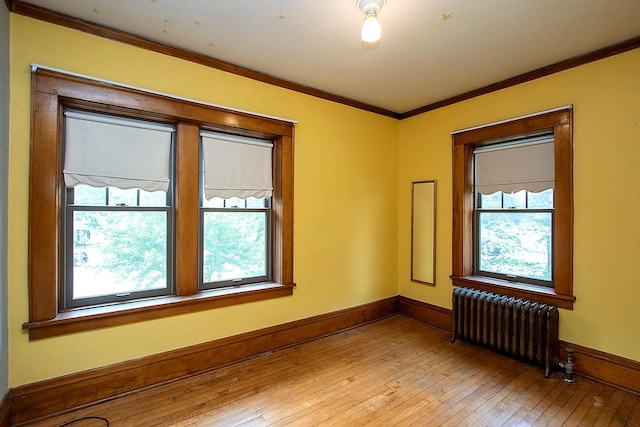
pixel 520 328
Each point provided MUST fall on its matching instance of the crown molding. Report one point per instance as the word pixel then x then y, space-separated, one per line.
pixel 36 12
pixel 566 64
pixel 29 10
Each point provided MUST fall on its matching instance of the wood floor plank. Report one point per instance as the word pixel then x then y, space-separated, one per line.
pixel 394 372
pixel 565 404
pixel 583 406
pixel 606 414
pixel 331 380
pixel 634 416
pixel 549 398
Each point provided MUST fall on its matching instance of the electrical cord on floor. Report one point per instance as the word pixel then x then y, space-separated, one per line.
pixel 106 421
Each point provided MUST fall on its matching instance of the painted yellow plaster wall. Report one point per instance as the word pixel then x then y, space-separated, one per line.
pixel 346 180
pixel 606 99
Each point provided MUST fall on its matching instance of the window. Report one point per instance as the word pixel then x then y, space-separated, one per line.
pixel 235 242
pixel 514 210
pixel 513 214
pixel 118 211
pixel 88 221
pixel 235 210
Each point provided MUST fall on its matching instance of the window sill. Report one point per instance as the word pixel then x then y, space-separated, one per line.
pixel 154 308
pixel 516 289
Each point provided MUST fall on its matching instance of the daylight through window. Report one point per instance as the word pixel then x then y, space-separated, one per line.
pixel 117 227
pixel 235 210
pixel 134 216
pixel 513 207
pixel 514 210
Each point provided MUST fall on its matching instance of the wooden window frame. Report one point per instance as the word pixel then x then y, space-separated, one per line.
pixel 560 121
pixel 51 93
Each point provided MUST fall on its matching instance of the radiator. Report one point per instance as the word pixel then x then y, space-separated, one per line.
pixel 520 328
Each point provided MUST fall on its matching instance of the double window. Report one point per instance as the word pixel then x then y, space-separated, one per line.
pixel 143 206
pixel 118 227
pixel 513 207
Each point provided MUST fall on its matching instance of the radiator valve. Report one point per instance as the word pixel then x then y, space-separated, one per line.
pixel 568 367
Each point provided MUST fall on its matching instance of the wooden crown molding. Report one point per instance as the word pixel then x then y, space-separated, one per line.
pixel 47 15
pixel 29 10
pixel 531 75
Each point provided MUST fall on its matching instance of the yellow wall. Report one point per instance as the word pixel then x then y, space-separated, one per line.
pixel 353 174
pixel 606 99
pixel 346 179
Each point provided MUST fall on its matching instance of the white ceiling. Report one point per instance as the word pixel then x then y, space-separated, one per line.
pixel 421 59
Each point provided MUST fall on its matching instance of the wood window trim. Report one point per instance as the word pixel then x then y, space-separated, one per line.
pixel 51 92
pixel 560 121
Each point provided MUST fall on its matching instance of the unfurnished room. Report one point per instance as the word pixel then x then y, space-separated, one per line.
pixel 303 213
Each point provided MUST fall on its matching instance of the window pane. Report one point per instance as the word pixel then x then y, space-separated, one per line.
pixel 234 202
pixel 491 201
pixel 252 202
pixel 234 245
pixel 515 200
pixel 155 198
pixel 118 196
pixel 215 202
pixel 87 195
pixel 118 252
pixel 515 243
pixel 542 200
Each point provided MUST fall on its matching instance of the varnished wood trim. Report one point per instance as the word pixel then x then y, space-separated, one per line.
pixel 607 368
pixel 563 218
pixel 464 142
pixel 64 393
pixel 187 214
pixel 46 15
pixel 488 134
pixel 518 290
pixel 51 92
pixel 5 410
pixel 566 64
pixel 600 366
pixel 426 313
pixel 44 208
pixel 69 322
pixel 81 92
pixel 282 208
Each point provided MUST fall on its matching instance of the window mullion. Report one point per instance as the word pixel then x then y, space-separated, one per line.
pixel 187 204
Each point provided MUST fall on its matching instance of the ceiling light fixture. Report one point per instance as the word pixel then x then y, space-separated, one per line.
pixel 371 30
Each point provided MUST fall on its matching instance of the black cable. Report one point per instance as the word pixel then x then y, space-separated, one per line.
pixel 106 421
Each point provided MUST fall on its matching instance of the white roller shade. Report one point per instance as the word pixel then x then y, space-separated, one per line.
pixel 514 167
pixel 236 166
pixel 107 151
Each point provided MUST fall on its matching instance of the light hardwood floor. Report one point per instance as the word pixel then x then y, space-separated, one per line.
pixel 394 372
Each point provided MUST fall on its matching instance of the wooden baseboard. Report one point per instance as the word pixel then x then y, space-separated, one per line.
pixel 604 367
pixel 57 395
pixel 5 410
pixel 427 313
pixel 76 390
